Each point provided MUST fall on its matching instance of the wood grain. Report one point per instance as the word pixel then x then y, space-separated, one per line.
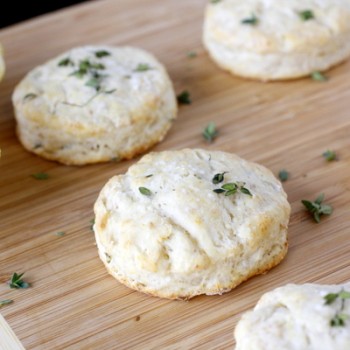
pixel 73 303
pixel 8 339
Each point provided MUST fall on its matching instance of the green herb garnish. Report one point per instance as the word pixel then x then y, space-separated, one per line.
pixel 5 302
pixel 95 81
pixel 65 62
pixel 191 54
pixel 330 298
pixel 102 53
pixel 94 77
pixel 283 175
pixel 83 69
pixel 29 96
pixel 210 132
pixel 316 208
pixel 184 98
pixel 108 258
pixel 232 188
pixel 330 155
pixel 98 66
pixel 17 282
pixel 150 175
pixel 92 223
pixel 318 76
pixel 145 191
pixel 80 73
pixel 142 67
pixel 40 176
pixel 218 178
pixel 215 1
pixel 109 91
pixel 86 67
pixel 253 20
pixel 60 233
pixel 306 15
pixel 339 318
pixel 343 294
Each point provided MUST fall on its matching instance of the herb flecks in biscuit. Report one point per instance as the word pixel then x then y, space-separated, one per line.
pixel 102 53
pixel 306 15
pixel 29 96
pixel 142 67
pixel 145 191
pixel 307 316
pixel 81 108
pixel 171 236
pixel 232 188
pixel 65 62
pixel 277 40
pixel 218 178
pixel 252 20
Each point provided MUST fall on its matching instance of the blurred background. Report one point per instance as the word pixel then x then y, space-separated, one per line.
pixel 15 11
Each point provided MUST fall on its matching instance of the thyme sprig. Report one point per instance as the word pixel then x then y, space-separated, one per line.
pixel 252 20
pixel 340 317
pixel 317 208
pixel 17 282
pixel 210 132
pixel 232 188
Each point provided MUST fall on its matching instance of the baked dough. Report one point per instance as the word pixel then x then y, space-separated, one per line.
pixel 94 104
pixel 287 39
pixel 179 238
pixel 295 317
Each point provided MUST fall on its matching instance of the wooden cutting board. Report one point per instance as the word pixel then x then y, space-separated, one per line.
pixel 73 303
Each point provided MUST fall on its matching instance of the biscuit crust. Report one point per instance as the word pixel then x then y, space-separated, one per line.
pixel 94 104
pixel 281 45
pixel 184 239
pixel 294 317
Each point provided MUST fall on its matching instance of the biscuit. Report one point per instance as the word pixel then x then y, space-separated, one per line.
pixel 297 317
pixel 272 40
pixel 2 64
pixel 163 230
pixel 94 104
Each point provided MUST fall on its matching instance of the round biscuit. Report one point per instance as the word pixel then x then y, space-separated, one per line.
pixel 163 230
pixel 296 317
pixel 273 40
pixel 94 104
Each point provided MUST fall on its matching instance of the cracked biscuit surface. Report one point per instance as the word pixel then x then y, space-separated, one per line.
pixel 161 229
pixel 94 104
pixel 296 317
pixel 283 39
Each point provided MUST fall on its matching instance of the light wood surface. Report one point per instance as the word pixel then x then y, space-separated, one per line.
pixel 73 303
pixel 8 339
